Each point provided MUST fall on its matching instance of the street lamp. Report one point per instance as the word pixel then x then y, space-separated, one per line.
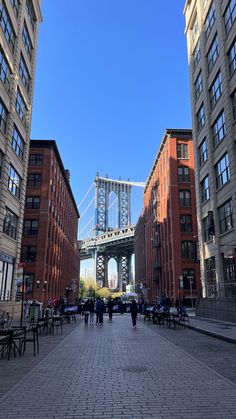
pixel 21 269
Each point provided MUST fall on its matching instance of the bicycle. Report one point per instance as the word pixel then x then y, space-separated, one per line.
pixel 5 319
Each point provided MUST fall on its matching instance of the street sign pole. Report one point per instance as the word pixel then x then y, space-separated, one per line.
pixel 21 270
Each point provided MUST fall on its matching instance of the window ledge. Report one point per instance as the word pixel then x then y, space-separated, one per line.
pixel 226 183
pixel 207 200
pixel 208 242
pixel 226 232
pixel 9 237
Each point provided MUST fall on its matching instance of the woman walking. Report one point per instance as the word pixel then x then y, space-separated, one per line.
pixel 134 312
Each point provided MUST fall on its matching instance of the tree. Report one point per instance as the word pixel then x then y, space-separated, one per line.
pixel 103 292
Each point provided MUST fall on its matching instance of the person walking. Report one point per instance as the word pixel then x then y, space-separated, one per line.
pixel 134 312
pixel 91 315
pixel 86 311
pixel 110 305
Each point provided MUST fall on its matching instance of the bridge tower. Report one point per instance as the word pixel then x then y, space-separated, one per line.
pixel 103 188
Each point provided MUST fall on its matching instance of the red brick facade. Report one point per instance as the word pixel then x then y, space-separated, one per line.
pixel 49 245
pixel 166 233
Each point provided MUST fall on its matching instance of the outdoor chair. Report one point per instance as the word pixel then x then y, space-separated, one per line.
pixel 56 324
pixel 31 337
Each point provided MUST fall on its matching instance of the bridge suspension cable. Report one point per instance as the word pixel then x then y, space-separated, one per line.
pixel 85 196
pixel 90 203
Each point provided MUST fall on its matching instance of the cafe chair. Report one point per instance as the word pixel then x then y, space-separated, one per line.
pixel 34 338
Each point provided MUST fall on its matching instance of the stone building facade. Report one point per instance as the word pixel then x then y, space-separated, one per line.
pixel 19 22
pixel 211 40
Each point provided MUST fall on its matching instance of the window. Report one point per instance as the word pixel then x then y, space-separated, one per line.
pixel 200 118
pixel 34 180
pixel 3 116
pixel 219 129
pixel 1 162
pixel 32 202
pixel 210 269
pixel 30 12
pixel 233 97
pixel 10 223
pixel 213 53
pixel 187 249
pixel 222 171
pixel 210 19
pixel 182 151
pixel 229 266
pixel 232 57
pixel 195 30
pixel 230 15
pixel 35 159
pixel 17 143
pixel 14 182
pixel 21 106
pixel 205 189
pixel 28 254
pixel 202 150
pixel 208 231
pixel 24 73
pixel 215 90
pixel 5 71
pixel 189 282
pixel 6 25
pixel 31 227
pixel 27 41
pixel 183 174
pixel 196 54
pixel 15 5
pixel 184 198
pixel 186 223
pixel 198 85
pixel 225 216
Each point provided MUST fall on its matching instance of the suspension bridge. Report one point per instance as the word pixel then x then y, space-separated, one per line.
pixel 108 213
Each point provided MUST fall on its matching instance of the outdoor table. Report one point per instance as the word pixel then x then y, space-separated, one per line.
pixel 7 342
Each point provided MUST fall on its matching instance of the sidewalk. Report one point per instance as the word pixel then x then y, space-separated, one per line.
pixel 118 372
pixel 216 328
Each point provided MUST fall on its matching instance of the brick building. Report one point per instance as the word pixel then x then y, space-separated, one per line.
pixel 166 258
pixel 49 246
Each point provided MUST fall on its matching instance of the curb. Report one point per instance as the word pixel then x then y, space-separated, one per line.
pixel 213 334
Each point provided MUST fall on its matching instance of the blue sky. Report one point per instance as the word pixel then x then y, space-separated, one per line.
pixel 111 76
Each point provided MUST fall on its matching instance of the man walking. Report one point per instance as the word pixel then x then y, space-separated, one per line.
pixel 134 312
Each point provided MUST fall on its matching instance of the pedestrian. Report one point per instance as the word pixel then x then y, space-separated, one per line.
pixel 134 312
pixel 99 311
pixel 62 306
pixel 86 311
pixel 91 315
pixel 56 305
pixel 110 305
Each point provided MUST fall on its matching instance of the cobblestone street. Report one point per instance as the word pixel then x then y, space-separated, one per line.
pixel 115 371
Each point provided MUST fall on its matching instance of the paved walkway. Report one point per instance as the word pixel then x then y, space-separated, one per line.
pixel 115 371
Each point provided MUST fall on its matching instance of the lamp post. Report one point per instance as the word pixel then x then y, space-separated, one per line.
pixel 21 269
